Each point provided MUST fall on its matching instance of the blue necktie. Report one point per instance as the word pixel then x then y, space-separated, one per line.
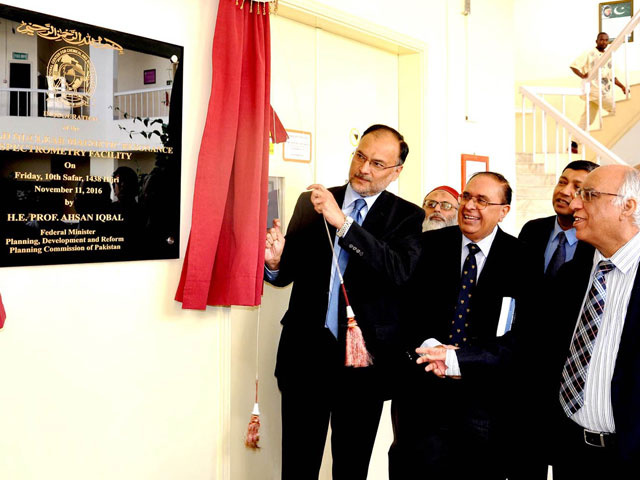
pixel 331 321
pixel 558 258
pixel 576 367
pixel 459 324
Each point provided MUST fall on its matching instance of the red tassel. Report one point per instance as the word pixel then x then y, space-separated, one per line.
pixel 357 355
pixel 253 430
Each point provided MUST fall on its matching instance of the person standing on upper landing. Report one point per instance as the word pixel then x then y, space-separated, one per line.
pixel 583 65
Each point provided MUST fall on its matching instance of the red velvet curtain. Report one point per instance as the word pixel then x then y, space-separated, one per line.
pixel 225 253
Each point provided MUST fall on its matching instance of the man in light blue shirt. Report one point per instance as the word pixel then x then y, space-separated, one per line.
pixel 554 236
pixel 373 229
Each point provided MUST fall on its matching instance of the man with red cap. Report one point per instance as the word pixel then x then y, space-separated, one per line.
pixel 441 208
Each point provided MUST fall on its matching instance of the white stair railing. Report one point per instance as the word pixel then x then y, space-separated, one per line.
pixel 535 95
pixel 149 103
pixel 566 130
pixel 622 38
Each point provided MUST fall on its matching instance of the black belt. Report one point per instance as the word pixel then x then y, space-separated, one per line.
pixel 599 439
pixel 576 433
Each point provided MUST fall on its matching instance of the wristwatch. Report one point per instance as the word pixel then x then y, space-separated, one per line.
pixel 345 227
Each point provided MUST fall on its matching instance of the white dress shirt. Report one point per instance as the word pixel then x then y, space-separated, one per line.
pixel 484 245
pixel 597 413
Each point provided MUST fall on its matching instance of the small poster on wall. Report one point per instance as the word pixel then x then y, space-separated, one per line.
pixel 90 147
pixel 471 164
pixel 149 76
pixel 297 148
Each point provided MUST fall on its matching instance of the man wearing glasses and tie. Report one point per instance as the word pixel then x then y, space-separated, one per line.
pixel 440 208
pixel 369 229
pixel 590 367
pixel 468 275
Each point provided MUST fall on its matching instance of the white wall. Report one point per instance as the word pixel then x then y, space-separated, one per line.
pixel 551 34
pixel 469 73
pixel 627 146
pixel 132 65
pixel 103 376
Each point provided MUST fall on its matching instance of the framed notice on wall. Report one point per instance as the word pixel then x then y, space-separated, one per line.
pixel 90 144
pixel 297 148
pixel 614 16
pixel 471 164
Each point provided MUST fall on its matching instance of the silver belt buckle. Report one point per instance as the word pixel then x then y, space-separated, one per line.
pixel 600 437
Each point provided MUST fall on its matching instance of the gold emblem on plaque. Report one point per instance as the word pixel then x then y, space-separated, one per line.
pixel 73 76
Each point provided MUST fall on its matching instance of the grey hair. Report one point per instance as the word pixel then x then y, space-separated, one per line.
pixel 629 189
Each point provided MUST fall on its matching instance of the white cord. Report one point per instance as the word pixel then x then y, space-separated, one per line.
pixel 333 252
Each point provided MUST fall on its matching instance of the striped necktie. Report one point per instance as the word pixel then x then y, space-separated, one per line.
pixel 574 373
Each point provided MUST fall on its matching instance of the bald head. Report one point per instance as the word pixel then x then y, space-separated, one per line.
pixel 606 214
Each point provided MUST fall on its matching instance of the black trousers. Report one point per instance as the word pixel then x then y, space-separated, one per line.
pixel 440 432
pixel 574 459
pixel 350 400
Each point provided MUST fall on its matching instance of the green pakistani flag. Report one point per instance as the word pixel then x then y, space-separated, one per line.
pixel 617 10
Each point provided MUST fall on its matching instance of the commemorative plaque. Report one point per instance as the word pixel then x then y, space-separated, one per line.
pixel 90 143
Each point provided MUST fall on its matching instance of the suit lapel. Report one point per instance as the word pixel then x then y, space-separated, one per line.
pixel 375 219
pixel 492 262
pixel 630 333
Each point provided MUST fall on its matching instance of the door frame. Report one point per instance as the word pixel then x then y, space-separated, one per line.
pixel 411 71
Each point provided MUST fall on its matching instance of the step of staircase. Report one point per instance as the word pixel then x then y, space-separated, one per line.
pixel 534 179
pixel 533 189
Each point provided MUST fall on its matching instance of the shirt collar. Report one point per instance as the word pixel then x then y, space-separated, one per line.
pixel 569 234
pixel 350 196
pixel 625 257
pixel 485 244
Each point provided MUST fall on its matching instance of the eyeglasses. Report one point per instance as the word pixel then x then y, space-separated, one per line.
pixel 376 165
pixel 446 206
pixel 589 195
pixel 481 203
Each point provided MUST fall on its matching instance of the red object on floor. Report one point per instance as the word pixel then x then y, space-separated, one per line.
pixel 225 256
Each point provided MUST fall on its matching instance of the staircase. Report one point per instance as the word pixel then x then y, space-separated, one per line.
pixel 533 191
pixel 536 174
pixel 614 127
pixel 546 128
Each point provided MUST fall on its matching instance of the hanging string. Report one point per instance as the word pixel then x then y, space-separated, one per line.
pixel 356 354
pixel 253 430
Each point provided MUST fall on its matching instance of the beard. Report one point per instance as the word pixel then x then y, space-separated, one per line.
pixel 431 222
